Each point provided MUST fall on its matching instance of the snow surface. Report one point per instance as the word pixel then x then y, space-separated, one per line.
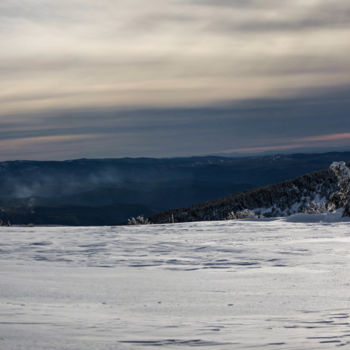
pixel 214 285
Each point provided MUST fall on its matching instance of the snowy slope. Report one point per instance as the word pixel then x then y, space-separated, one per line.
pixel 310 193
pixel 210 285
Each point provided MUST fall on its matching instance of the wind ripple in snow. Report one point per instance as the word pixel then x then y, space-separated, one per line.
pixel 213 285
pixel 181 247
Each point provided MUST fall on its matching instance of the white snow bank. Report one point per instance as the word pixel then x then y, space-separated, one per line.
pixel 336 216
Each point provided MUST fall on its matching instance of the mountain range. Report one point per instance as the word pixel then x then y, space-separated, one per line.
pixel 109 191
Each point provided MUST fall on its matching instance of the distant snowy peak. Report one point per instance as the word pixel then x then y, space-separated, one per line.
pixel 315 193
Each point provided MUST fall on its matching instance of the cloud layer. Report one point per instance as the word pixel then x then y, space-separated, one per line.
pixel 164 68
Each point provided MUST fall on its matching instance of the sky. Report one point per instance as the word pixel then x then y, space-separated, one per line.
pixel 165 78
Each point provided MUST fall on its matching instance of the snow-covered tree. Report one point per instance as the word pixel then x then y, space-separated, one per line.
pixel 231 216
pixel 315 208
pixel 140 220
pixel 242 214
pixel 341 198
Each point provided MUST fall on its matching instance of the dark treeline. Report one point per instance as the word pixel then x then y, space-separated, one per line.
pixel 279 199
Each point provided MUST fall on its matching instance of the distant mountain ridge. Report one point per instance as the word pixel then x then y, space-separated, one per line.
pixel 109 191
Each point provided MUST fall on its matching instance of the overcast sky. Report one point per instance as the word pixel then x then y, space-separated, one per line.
pixel 114 78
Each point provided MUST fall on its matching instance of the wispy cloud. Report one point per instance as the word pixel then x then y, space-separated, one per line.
pixel 87 53
pixel 298 143
pixel 330 137
pixel 264 148
pixel 19 143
